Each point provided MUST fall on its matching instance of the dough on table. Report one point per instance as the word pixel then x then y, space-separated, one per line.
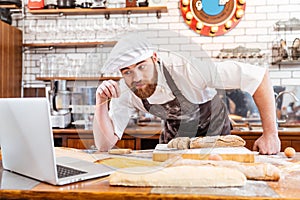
pixel 179 143
pixel 253 171
pixel 178 176
pixel 119 151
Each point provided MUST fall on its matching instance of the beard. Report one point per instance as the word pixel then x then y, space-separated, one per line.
pixel 146 91
pixel 149 85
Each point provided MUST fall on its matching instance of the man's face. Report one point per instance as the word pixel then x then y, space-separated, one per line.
pixel 141 78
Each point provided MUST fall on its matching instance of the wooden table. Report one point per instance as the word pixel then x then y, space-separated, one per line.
pixel 288 187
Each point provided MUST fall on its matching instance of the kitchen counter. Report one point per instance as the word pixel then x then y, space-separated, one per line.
pixel 288 137
pixel 146 137
pixel 286 188
pixel 134 137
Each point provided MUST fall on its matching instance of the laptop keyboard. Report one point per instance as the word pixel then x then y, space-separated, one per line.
pixel 63 171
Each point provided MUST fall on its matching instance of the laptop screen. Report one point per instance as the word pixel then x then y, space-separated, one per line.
pixel 26 137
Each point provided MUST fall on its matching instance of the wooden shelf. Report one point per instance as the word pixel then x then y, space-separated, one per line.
pixel 288 28
pixel 68 44
pixel 79 78
pixel 287 62
pixel 10 6
pixel 292 24
pixel 105 11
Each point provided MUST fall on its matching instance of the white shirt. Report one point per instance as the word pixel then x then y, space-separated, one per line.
pixel 196 81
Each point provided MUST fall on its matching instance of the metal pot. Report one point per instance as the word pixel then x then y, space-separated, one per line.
pixel 88 94
pixel 59 85
pixel 60 100
pixel 50 4
pixel 66 3
pixel 82 101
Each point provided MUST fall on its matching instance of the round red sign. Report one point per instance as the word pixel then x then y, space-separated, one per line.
pixel 212 17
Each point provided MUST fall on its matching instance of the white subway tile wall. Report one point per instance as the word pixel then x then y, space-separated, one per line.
pixel 169 32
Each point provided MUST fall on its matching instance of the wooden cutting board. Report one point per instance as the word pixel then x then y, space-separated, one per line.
pixel 240 154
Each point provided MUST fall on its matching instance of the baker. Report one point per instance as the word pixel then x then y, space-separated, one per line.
pixel 182 93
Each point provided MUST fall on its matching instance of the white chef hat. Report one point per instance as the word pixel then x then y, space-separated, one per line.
pixel 129 50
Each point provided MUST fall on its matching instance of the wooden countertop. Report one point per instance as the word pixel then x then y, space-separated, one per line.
pixel 135 136
pixel 155 129
pixel 286 188
pixel 131 130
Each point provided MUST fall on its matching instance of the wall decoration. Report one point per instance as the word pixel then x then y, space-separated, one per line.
pixel 212 17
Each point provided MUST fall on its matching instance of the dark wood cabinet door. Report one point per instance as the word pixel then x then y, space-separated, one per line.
pixel 10 61
pixel 80 143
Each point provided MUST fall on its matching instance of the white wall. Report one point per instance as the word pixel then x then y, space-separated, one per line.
pixel 254 31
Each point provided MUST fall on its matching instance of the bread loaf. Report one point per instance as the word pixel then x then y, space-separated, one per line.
pixel 217 141
pixel 179 143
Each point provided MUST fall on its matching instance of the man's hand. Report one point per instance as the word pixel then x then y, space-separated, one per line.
pixel 180 143
pixel 107 90
pixel 267 144
pixel 103 128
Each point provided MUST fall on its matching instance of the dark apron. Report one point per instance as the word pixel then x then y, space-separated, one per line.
pixel 185 119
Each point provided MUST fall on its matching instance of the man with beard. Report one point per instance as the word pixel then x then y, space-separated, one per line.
pixel 181 94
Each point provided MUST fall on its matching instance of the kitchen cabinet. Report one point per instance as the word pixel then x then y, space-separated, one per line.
pixel 288 138
pixel 10 61
pixel 84 139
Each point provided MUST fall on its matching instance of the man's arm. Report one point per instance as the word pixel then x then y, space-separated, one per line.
pixel 103 129
pixel 269 142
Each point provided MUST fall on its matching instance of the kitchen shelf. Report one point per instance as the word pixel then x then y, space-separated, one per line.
pixel 280 49
pixel 103 78
pixel 105 11
pixel 287 62
pixel 13 9
pixel 10 6
pixel 288 28
pixel 292 24
pixel 68 44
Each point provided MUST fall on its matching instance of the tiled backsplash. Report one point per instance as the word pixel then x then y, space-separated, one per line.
pixel 169 32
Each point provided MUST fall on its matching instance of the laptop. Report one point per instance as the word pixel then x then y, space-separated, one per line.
pixel 27 145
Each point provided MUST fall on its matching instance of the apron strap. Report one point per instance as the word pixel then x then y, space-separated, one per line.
pixel 176 92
